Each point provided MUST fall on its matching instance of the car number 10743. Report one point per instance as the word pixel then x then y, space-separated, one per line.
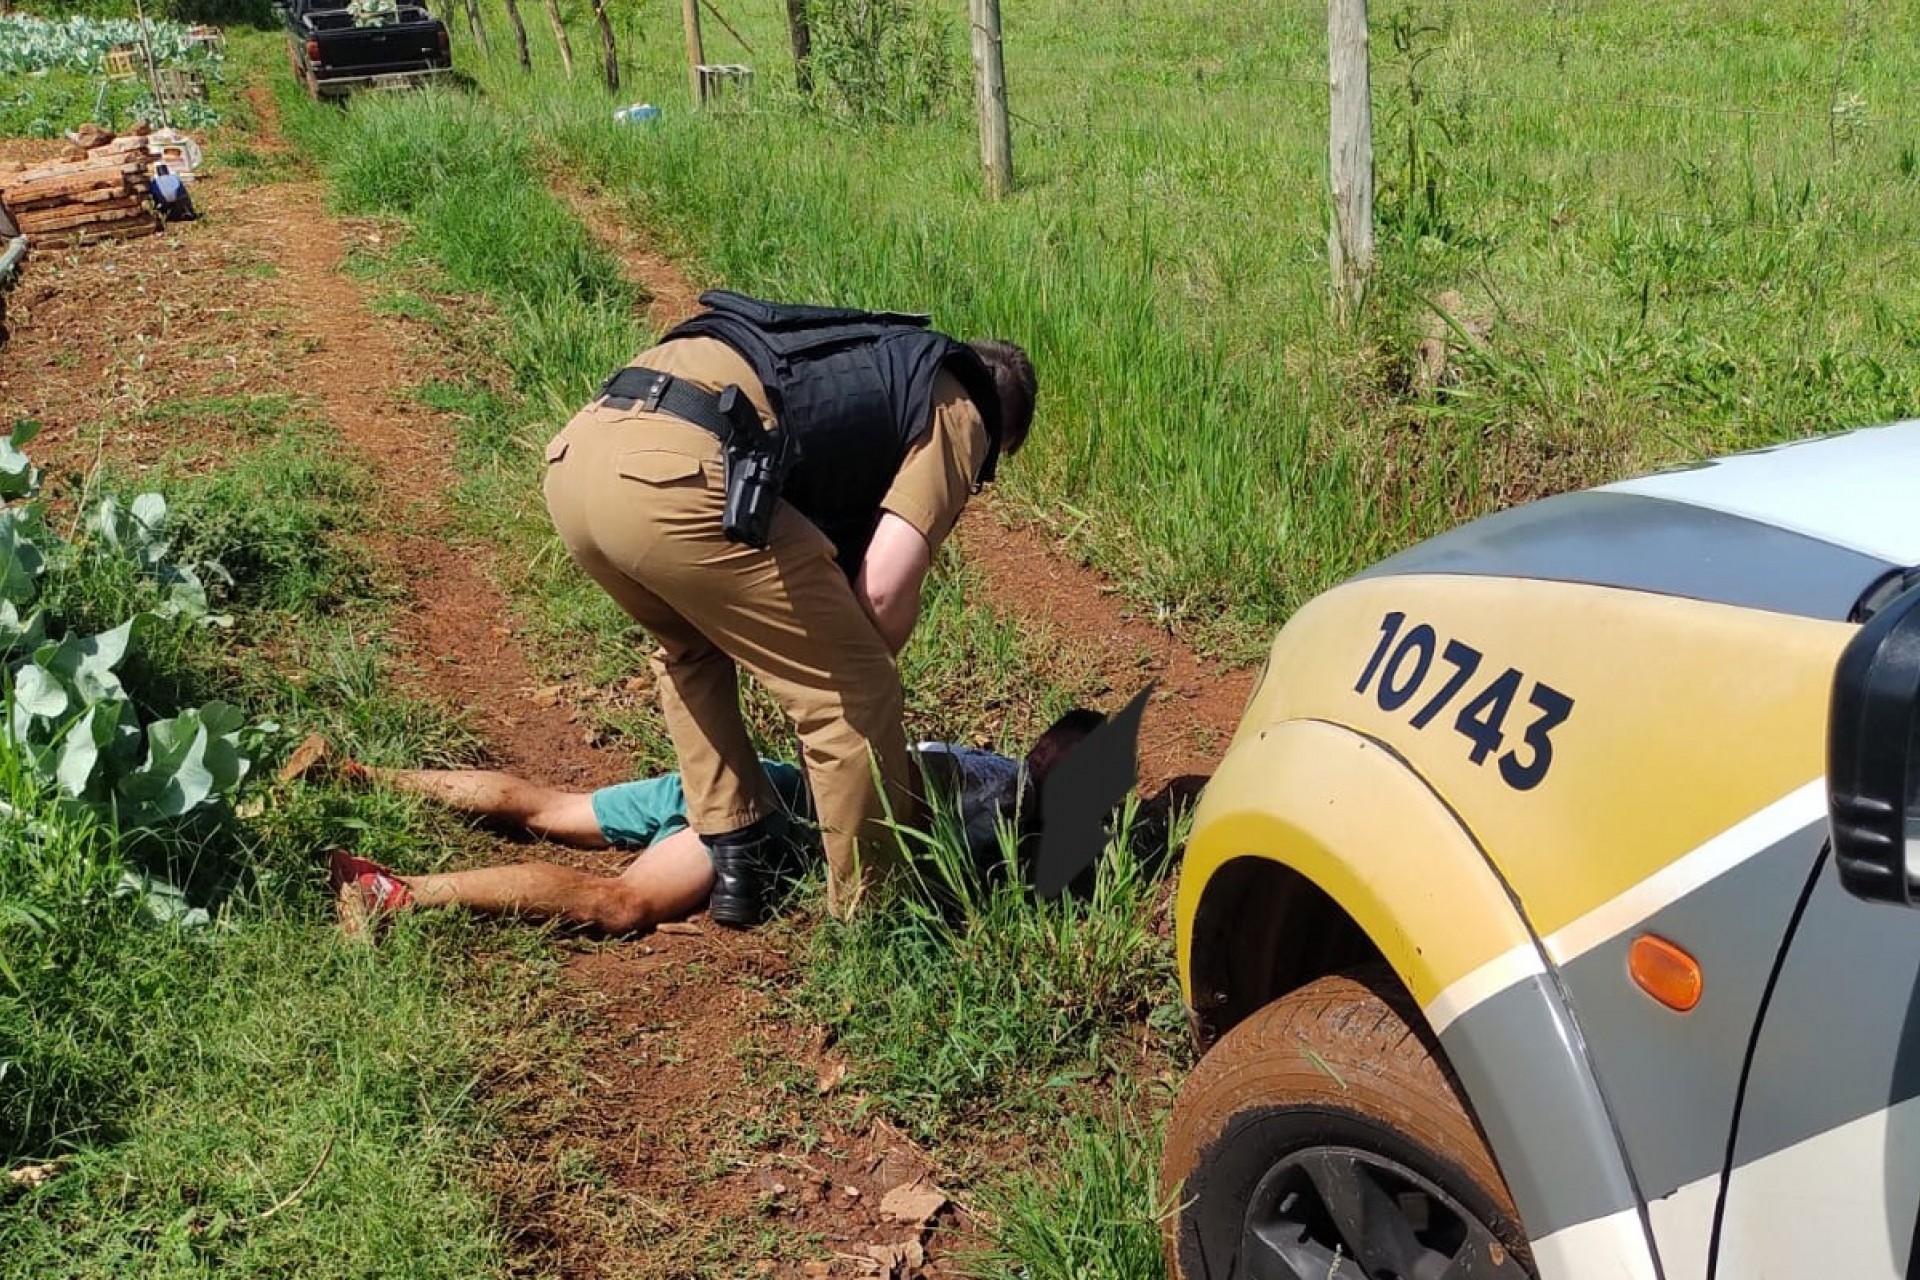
pixel 1399 671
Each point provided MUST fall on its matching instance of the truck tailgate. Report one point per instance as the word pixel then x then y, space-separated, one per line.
pixel 377 50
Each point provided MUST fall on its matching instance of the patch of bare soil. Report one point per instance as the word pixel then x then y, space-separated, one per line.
pixel 719 1139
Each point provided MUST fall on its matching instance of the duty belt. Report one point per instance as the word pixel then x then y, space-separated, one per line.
pixel 648 389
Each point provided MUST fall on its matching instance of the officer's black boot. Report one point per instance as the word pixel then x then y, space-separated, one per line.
pixel 743 867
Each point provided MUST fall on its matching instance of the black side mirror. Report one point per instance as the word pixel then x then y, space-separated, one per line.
pixel 1872 805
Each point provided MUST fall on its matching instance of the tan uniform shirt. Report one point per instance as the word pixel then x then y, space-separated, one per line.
pixel 935 478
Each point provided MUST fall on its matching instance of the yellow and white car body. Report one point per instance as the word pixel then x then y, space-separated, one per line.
pixel 1500 758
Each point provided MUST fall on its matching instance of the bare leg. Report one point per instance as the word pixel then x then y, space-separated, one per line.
pixel 566 816
pixel 669 881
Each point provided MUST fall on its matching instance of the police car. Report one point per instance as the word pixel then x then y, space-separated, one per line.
pixel 1537 919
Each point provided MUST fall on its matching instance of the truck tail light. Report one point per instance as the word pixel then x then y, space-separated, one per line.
pixel 313 51
pixel 446 45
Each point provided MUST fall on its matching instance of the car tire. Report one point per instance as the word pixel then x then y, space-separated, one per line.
pixel 1322 1138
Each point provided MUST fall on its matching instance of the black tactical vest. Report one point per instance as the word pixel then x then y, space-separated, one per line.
pixel 853 390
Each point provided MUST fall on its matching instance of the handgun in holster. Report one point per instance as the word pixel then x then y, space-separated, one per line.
pixel 757 461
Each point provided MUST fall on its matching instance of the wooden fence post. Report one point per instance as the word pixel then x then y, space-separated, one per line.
pixel 560 36
pixel 519 35
pixel 608 51
pixel 1349 154
pixel 802 35
pixel 990 82
pixel 153 75
pixel 696 55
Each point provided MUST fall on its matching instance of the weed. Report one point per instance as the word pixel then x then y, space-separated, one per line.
pixel 253 167
pixel 972 998
pixel 883 59
pixel 1093 1214
pixel 277 519
pixel 252 414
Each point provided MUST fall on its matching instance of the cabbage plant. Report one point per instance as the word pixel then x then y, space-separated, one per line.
pixel 29 44
pixel 67 713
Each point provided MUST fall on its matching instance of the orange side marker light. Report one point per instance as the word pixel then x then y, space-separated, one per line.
pixel 1665 972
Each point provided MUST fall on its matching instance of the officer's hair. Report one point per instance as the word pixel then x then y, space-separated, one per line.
pixel 1014 379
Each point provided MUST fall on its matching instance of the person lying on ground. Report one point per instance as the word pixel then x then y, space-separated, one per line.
pixel 673 876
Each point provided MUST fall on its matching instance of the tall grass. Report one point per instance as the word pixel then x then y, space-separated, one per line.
pixel 464 180
pixel 977 1017
pixel 1671 223
pixel 972 1001
pixel 1095 1215
pixel 215 1079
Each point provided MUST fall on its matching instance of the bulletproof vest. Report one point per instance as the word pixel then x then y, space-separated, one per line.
pixel 853 391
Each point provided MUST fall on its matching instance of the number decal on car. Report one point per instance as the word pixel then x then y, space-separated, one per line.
pixel 1399 669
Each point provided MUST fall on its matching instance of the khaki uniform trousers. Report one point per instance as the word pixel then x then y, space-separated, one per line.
pixel 637 498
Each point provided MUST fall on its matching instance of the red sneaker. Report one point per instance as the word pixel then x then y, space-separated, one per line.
pixel 364 891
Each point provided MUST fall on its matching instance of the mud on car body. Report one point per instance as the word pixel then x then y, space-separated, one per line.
pixel 1510 917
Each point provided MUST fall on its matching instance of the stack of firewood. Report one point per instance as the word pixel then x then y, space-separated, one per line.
pixel 100 195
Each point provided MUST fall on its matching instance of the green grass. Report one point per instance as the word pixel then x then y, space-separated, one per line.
pixel 279 518
pixel 241 1090
pixel 994 1003
pixel 241 1062
pixel 1657 282
pixel 1020 1041
pixel 1096 1213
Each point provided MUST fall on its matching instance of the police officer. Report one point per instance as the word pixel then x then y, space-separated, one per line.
pixel 765 489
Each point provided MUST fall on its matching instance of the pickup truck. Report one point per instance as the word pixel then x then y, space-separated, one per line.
pixel 334 47
pixel 1542 918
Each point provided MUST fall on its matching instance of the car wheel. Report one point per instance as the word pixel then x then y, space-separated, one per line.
pixel 1322 1140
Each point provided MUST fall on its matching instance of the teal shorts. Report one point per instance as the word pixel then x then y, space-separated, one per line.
pixel 634 815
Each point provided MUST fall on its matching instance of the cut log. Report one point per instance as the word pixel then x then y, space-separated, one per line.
pixel 99 196
pixel 65 220
pixel 20 195
pixel 45 171
pixel 143 225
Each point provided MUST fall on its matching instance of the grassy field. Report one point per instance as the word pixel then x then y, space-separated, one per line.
pixel 155 973
pixel 1659 231
pixel 1673 224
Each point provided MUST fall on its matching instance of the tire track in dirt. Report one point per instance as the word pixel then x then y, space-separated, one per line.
pixel 654 1161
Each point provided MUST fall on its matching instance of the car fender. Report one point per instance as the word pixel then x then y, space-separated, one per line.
pixel 1329 818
